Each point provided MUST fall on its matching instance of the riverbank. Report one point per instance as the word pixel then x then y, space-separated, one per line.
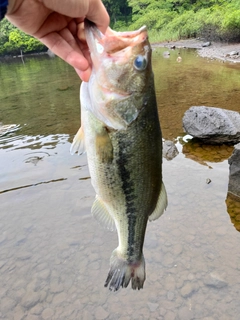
pixel 25 55
pixel 216 50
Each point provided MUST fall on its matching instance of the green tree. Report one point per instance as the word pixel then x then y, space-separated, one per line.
pixel 117 9
pixel 13 41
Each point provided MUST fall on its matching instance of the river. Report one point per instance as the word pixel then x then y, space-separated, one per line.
pixel 54 256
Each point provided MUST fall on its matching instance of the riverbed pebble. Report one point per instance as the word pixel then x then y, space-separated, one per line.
pixel 100 313
pixel 187 290
pixel 192 255
pixel 47 313
pixel 30 299
pixel 214 280
pixel 152 306
pixel 185 314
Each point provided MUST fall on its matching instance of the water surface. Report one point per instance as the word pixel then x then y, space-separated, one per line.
pixel 54 256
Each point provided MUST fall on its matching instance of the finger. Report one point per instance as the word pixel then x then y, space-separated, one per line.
pixel 84 75
pixel 73 27
pixel 80 32
pixel 94 10
pixel 58 45
pixel 77 44
pixel 82 42
pixel 98 14
pixel 70 8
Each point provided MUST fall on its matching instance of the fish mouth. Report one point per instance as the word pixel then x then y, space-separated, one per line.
pixel 112 42
pixel 114 47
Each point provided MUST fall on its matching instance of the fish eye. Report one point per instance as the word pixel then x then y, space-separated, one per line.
pixel 140 63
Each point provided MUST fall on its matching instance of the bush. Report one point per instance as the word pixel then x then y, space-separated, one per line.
pixel 231 25
pixel 12 40
pixel 187 25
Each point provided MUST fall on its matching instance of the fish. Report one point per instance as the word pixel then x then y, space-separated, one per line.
pixel 121 135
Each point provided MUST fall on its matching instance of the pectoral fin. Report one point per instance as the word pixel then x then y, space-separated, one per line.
pixel 102 215
pixel 104 148
pixel 161 204
pixel 78 144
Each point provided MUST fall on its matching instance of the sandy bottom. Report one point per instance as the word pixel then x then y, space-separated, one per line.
pixel 54 257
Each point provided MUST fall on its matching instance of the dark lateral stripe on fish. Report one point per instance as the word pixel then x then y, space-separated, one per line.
pixel 128 189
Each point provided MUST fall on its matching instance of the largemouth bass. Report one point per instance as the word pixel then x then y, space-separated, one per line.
pixel 121 134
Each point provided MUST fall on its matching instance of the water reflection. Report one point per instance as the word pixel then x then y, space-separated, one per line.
pixel 41 96
pixel 193 82
pixel 8 128
pixel 53 255
pixel 203 153
pixel 233 195
pixel 233 209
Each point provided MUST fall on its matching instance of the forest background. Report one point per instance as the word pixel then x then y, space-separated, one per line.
pixel 217 20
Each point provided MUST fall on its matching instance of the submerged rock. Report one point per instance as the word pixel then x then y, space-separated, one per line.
pixel 170 151
pixel 166 54
pixel 234 172
pixel 214 280
pixel 212 125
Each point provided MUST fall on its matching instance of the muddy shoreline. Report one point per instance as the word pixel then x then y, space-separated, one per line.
pixel 216 50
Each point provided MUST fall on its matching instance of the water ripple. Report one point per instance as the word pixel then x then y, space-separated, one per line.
pixel 32 185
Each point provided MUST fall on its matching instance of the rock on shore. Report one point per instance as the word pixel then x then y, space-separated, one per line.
pixel 170 150
pixel 217 50
pixel 234 174
pixel 212 125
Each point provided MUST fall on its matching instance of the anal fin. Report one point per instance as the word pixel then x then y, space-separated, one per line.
pixel 102 215
pixel 161 204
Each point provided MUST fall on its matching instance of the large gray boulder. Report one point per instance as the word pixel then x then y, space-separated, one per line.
pixel 234 172
pixel 212 125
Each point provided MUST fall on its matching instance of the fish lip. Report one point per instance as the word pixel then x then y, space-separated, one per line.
pixel 89 25
pixel 126 34
pixel 99 44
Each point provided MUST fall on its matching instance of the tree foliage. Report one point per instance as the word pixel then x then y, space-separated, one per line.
pixel 212 19
pixel 118 10
pixel 13 41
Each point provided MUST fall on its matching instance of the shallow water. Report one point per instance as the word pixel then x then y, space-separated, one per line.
pixel 54 256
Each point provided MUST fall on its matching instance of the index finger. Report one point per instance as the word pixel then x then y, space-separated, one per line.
pixel 58 45
pixel 97 13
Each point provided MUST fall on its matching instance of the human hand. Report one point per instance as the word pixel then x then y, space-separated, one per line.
pixel 59 25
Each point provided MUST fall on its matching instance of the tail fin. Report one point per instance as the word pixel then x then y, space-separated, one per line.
pixel 121 272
